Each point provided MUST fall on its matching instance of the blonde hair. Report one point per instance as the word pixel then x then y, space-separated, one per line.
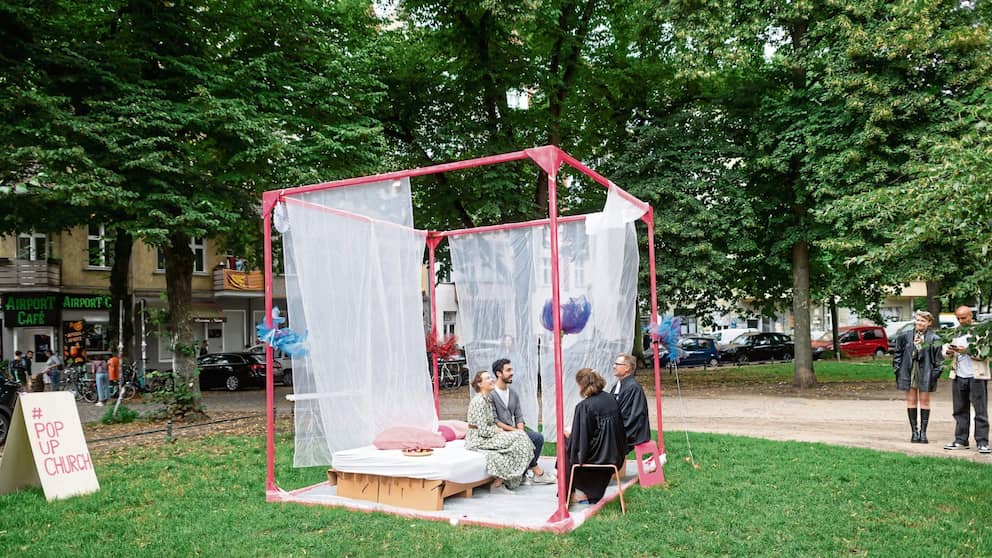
pixel 924 314
pixel 477 380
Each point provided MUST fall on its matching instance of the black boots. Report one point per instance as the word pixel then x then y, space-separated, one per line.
pixel 919 436
pixel 911 411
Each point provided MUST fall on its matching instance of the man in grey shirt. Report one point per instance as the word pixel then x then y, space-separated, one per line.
pixel 509 417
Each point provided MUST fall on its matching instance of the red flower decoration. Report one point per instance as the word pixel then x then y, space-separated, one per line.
pixel 444 349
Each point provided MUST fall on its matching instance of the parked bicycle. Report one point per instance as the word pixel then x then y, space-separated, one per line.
pixel 452 373
pixel 78 380
pixel 159 380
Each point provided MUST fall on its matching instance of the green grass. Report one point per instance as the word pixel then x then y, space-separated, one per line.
pixel 827 371
pixel 748 497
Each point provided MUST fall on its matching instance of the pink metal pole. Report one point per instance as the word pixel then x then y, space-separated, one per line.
pixel 433 169
pixel 432 242
pixel 268 203
pixel 511 226
pixel 649 219
pixel 575 163
pixel 562 512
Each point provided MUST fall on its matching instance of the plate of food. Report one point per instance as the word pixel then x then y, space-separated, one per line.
pixel 419 452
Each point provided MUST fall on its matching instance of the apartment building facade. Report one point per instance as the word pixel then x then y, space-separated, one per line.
pixel 54 291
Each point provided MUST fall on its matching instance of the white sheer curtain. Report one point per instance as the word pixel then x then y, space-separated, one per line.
pixel 495 281
pixel 503 280
pixel 353 277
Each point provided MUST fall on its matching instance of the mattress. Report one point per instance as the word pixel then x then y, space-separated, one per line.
pixel 451 463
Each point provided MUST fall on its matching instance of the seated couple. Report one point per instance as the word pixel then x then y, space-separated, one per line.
pixel 496 428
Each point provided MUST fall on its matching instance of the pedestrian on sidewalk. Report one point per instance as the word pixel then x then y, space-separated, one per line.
pixel 969 388
pixel 98 367
pixel 916 363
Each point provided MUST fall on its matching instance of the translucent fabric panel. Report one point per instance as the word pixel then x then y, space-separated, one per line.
pixel 603 268
pixel 354 285
pixel 503 280
pixel 495 282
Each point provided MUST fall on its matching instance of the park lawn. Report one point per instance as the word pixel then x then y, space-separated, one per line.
pixel 826 371
pixel 748 497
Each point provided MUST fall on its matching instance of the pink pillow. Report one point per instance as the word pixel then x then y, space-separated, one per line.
pixel 459 427
pixel 447 432
pixel 408 437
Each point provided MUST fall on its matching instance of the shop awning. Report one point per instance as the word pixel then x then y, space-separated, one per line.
pixel 202 311
pixel 207 312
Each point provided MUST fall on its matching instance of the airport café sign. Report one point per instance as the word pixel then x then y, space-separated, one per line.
pixel 45 309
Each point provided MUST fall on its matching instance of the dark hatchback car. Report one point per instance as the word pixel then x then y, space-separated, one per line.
pixel 8 398
pixel 693 350
pixel 233 371
pixel 752 347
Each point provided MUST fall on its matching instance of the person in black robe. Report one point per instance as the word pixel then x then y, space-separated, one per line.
pixel 597 437
pixel 633 403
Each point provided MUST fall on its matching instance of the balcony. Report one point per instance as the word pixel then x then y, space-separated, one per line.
pixel 229 282
pixel 30 274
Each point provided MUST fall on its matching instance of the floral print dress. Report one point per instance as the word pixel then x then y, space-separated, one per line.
pixel 507 453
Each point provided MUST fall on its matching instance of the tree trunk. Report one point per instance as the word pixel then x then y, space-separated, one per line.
pixel 120 295
pixel 187 402
pixel 804 377
pixel 933 300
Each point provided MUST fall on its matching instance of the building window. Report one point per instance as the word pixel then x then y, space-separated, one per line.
pixel 198 246
pixel 101 250
pixel 579 272
pixel 448 325
pixel 32 246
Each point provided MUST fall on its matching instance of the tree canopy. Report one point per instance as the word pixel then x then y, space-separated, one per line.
pixel 793 152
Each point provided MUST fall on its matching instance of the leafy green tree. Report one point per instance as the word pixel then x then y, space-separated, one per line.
pixel 924 92
pixel 172 117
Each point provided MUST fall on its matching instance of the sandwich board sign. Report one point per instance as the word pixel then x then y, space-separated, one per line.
pixel 46 446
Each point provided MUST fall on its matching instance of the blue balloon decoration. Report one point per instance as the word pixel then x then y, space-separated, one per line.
pixel 668 332
pixel 284 339
pixel 574 315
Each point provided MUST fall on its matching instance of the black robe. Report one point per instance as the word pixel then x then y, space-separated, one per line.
pixel 597 437
pixel 634 409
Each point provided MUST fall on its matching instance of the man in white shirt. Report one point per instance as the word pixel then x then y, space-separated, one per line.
pixel 509 417
pixel 969 388
pixel 52 366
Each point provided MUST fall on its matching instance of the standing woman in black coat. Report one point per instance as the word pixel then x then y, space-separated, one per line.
pixel 916 364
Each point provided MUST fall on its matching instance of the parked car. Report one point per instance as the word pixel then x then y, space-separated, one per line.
pixel 855 341
pixel 277 356
pixel 8 398
pixel 946 321
pixel 232 371
pixel 751 347
pixel 693 350
pixel 727 336
pixel 893 329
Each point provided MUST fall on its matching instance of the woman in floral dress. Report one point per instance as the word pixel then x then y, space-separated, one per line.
pixel 507 453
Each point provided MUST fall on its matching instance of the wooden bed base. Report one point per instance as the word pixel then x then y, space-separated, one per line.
pixel 404 492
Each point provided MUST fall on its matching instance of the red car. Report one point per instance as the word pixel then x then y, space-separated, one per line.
pixel 855 341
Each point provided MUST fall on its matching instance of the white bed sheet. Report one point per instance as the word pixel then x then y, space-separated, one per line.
pixel 452 463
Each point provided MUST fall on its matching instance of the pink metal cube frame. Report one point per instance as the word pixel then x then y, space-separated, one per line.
pixel 549 159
